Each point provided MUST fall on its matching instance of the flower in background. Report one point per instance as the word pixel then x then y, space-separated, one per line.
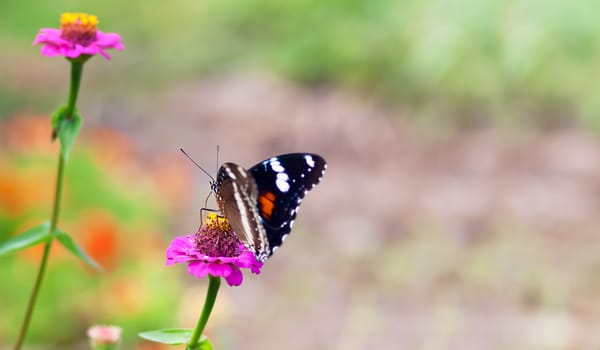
pixel 100 232
pixel 104 337
pixel 214 250
pixel 77 36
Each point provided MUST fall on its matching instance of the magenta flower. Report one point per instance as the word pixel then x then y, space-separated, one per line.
pixel 77 36
pixel 214 250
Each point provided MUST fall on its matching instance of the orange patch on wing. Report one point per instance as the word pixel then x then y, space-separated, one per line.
pixel 267 203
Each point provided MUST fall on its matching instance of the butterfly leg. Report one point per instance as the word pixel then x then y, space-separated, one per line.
pixel 211 210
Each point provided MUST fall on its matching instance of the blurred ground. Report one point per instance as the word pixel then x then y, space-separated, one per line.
pixel 478 239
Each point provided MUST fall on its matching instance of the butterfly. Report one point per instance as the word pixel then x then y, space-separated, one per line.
pixel 262 202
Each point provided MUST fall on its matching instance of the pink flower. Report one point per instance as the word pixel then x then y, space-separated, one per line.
pixel 77 36
pixel 215 250
pixel 104 335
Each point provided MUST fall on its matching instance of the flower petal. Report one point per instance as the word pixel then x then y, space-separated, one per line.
pixel 198 269
pixel 235 278
pixel 220 270
pixel 54 44
pixel 47 35
pixel 247 259
pixel 49 50
pixel 255 269
pixel 104 54
pixel 178 250
pixel 185 249
pixel 109 41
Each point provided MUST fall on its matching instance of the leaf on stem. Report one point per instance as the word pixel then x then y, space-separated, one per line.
pixel 66 128
pixel 68 242
pixel 33 236
pixel 171 336
pixel 204 344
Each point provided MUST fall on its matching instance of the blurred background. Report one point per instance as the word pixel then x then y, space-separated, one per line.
pixel 459 210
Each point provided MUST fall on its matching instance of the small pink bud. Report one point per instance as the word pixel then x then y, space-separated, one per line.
pixel 104 337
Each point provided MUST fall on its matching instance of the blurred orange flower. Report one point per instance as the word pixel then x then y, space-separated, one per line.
pixel 23 191
pixel 11 194
pixel 29 132
pixel 100 234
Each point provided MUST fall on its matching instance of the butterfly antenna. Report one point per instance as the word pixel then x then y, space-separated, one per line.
pixel 198 165
pixel 217 159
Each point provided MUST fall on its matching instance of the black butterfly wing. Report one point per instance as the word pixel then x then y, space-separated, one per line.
pixel 282 183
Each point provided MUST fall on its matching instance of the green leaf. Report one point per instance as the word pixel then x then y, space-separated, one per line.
pixel 66 128
pixel 171 336
pixel 68 242
pixel 33 236
pixel 55 119
pixel 205 344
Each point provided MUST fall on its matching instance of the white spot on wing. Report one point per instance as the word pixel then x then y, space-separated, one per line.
pixel 282 184
pixel 310 161
pixel 276 166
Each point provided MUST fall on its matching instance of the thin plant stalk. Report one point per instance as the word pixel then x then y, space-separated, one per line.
pixel 76 70
pixel 211 296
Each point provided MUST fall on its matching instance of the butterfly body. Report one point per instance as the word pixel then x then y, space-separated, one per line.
pixel 261 203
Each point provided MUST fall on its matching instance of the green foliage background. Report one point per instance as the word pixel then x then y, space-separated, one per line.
pixel 519 61
pixel 93 297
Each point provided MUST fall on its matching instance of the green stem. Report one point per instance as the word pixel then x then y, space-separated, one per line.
pixel 44 263
pixel 76 70
pixel 211 296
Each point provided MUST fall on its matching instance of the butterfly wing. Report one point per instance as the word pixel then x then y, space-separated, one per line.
pixel 282 182
pixel 237 194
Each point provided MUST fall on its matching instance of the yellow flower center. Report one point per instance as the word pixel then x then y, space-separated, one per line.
pixel 78 28
pixel 216 238
pixel 215 222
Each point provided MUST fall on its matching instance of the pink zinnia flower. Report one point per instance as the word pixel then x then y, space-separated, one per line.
pixel 215 250
pixel 77 36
